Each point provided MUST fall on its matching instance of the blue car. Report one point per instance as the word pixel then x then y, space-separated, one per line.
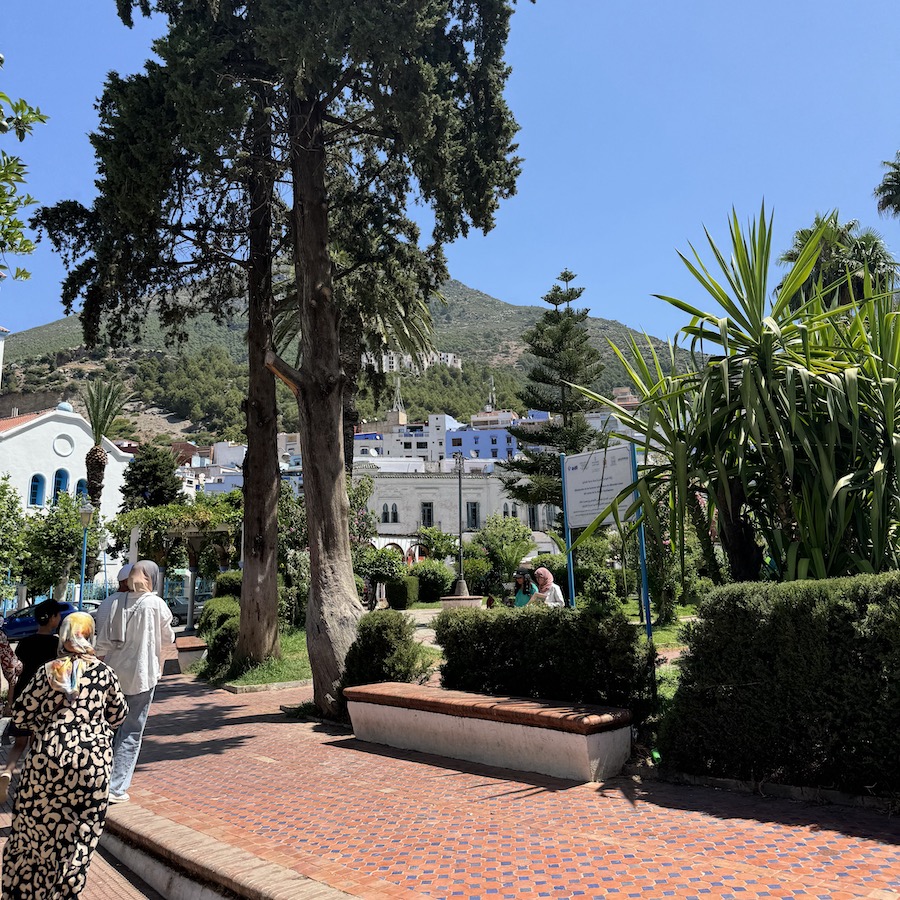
pixel 22 622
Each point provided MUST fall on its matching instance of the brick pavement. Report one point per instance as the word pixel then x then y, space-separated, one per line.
pixel 377 823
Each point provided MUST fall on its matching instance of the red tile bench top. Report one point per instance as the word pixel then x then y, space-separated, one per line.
pixel 189 642
pixel 578 719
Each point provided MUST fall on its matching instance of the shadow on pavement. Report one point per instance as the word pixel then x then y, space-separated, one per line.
pixel 531 783
pixel 862 823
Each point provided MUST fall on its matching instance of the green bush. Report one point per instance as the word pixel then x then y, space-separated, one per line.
pixel 795 683
pixel 402 593
pixel 479 577
pixel 435 579
pixel 556 654
pixel 215 612
pixel 228 584
pixel 384 650
pixel 221 646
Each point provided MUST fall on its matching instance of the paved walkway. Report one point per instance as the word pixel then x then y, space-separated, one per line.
pixel 354 819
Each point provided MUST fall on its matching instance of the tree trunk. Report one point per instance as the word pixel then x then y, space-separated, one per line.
pixel 745 557
pixel 258 636
pixel 334 608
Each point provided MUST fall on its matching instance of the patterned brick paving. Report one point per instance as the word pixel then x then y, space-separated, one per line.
pixel 377 823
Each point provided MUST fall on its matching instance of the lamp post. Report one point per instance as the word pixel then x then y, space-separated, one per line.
pixel 462 589
pixel 87 513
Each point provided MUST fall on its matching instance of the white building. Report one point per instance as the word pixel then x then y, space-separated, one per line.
pixel 227 453
pixel 43 453
pixel 393 361
pixel 419 440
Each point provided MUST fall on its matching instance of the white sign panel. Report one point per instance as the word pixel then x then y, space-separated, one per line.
pixel 594 479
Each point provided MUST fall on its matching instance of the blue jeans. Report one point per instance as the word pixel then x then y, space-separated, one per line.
pixel 127 742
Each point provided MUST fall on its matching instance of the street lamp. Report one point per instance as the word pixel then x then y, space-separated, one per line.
pixel 462 589
pixel 87 513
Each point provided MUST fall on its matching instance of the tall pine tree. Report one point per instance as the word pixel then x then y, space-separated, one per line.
pixel 563 354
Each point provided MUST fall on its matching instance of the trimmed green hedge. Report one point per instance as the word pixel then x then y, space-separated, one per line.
pixel 228 584
pixel 384 650
pixel 570 655
pixel 215 611
pixel 795 683
pixel 222 644
pixel 435 579
pixel 403 592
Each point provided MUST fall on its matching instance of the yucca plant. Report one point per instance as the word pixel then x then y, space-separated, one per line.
pixel 788 427
pixel 104 401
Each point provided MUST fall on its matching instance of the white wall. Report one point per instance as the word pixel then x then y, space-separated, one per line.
pixel 59 440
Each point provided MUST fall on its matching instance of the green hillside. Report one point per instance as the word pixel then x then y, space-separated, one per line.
pixel 188 381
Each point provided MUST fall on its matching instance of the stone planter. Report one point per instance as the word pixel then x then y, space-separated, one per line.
pixel 459 602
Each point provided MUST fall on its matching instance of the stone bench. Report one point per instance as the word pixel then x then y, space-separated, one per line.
pixel 191 649
pixel 583 743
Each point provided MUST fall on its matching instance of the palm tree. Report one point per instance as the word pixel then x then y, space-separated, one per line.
pixel 104 401
pixel 846 255
pixel 888 192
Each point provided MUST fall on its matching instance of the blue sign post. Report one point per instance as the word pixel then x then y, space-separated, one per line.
pixel 567 533
pixel 642 551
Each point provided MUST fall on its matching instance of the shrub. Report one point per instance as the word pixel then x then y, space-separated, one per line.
pixel 556 654
pixel 402 593
pixel 228 583
pixel 293 589
pixel 435 579
pixel 215 612
pixel 479 576
pixel 384 650
pixel 794 683
pixel 221 646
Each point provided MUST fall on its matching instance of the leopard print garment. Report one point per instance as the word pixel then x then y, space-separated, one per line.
pixel 61 800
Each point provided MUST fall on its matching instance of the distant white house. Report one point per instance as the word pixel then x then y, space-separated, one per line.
pixel 43 453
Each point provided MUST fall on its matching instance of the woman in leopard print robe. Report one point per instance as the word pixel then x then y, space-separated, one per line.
pixel 72 706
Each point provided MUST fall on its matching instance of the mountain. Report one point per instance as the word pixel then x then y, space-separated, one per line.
pixel 485 331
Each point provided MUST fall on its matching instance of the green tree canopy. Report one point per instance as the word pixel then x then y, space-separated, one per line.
pixel 150 479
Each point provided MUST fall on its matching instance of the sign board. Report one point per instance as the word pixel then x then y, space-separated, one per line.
pixel 594 479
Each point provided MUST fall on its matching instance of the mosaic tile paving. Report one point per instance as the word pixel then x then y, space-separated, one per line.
pixel 378 823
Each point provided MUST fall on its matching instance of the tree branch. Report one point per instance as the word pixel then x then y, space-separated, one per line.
pixel 284 372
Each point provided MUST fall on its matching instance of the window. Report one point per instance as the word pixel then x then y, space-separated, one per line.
pixel 494 454
pixel 472 518
pixel 494 441
pixel 60 483
pixel 81 491
pixel 385 515
pixel 427 515
pixel 394 514
pixel 515 511
pixel 407 445
pixel 36 492
pixel 456 442
pixel 476 440
pixel 421 445
pixel 505 510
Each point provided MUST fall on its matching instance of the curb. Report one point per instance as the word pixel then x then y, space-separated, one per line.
pixel 259 688
pixel 207 869
pixel 766 789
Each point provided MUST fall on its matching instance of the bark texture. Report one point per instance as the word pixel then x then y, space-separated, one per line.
pixel 745 557
pixel 258 636
pixel 334 608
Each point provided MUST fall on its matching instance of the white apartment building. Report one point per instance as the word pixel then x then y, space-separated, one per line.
pixel 394 361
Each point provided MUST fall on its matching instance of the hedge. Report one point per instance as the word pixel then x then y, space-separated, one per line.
pixel 215 611
pixel 228 584
pixel 574 656
pixel 385 649
pixel 435 579
pixel 402 593
pixel 795 683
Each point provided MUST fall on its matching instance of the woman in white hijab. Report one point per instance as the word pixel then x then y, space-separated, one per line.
pixel 136 627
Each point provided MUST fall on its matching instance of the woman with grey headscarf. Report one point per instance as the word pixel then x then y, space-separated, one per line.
pixel 132 630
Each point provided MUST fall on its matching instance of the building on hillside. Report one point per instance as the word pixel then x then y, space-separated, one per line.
pixel 394 361
pixel 228 453
pixel 494 418
pixel 44 454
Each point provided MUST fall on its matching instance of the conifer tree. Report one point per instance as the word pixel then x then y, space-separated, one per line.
pixel 560 344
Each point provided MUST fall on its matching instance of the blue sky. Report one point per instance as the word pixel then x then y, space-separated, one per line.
pixel 641 123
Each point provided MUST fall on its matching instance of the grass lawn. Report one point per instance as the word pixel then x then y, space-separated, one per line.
pixel 632 610
pixel 293 665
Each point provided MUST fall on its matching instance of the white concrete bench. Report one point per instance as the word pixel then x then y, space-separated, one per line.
pixel 584 743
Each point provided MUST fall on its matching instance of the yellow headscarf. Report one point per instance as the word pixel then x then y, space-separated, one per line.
pixel 77 637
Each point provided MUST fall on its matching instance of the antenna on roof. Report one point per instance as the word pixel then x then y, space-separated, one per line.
pixel 398 400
